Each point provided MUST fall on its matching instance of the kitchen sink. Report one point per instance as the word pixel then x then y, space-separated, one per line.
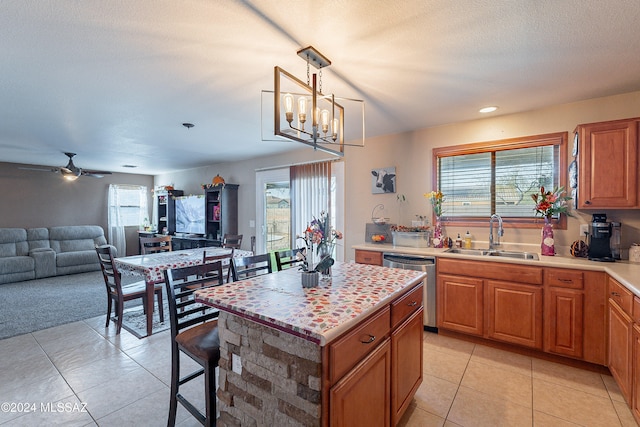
pixel 496 253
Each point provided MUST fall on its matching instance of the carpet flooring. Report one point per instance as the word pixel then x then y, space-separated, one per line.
pixel 43 303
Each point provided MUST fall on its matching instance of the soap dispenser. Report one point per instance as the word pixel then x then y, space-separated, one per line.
pixel 467 240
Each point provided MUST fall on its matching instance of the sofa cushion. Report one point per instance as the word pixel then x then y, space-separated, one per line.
pixel 13 242
pixel 66 259
pixel 38 238
pixel 16 264
pixel 76 238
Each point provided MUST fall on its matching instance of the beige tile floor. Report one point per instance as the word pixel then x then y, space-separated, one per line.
pixel 123 381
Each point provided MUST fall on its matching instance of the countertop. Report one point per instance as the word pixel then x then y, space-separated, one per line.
pixel 625 272
pixel 318 314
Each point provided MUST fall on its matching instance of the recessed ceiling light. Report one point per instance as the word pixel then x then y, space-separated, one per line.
pixel 488 109
pixel 188 125
pixel 129 166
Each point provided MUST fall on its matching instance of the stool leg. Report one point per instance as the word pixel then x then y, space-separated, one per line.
pixel 175 379
pixel 210 395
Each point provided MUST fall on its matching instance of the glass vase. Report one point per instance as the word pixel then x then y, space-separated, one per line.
pixel 324 252
pixel 546 246
pixel 438 236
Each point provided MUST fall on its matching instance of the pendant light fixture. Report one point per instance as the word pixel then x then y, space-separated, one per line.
pixel 303 113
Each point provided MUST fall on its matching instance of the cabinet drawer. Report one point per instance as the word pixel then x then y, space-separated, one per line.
pixel 621 295
pixel 368 257
pixel 562 278
pixel 491 270
pixel 347 351
pixel 404 306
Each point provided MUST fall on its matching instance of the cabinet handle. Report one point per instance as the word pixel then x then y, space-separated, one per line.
pixel 372 338
pixel 565 280
pixel 587 202
pixel 412 303
pixel 615 294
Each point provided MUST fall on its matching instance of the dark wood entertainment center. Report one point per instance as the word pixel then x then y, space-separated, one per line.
pixel 221 217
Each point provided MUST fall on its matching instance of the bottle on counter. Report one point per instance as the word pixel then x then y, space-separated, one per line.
pixel 458 241
pixel 467 240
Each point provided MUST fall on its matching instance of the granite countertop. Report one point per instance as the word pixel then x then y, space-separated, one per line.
pixel 318 314
pixel 625 272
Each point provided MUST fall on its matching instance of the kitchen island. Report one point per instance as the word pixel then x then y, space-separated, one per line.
pixel 348 352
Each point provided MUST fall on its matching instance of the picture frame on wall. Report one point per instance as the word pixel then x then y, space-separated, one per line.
pixel 383 180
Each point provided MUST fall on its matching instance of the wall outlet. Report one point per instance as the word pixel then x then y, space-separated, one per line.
pixel 252 224
pixel 236 364
pixel 584 230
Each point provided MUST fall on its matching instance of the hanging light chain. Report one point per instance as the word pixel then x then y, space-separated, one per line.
pixel 308 80
pixel 320 82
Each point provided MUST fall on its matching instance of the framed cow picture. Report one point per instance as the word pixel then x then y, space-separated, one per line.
pixel 383 180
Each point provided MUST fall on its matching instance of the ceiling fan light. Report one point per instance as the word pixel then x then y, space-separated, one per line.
pixel 70 177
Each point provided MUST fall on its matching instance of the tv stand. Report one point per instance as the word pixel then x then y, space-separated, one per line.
pixel 183 242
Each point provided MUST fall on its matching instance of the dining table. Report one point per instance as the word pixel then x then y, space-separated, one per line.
pixel 152 268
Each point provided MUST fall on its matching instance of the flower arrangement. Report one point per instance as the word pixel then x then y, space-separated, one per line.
pixel 549 203
pixel 319 233
pixel 436 198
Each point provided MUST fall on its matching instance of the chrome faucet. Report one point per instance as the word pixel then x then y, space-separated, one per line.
pixel 493 243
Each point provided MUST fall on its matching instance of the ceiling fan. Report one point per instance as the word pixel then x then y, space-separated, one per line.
pixel 71 172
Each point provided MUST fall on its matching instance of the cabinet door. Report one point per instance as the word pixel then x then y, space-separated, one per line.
pixel 620 348
pixel 406 368
pixel 514 313
pixel 608 165
pixel 563 321
pixel 362 397
pixel 460 304
pixel 635 406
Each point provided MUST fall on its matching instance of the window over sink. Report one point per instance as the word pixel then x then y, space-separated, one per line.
pixel 481 179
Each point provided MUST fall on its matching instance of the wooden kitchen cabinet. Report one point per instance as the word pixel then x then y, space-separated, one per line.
pixel 514 313
pixel 368 257
pixel 406 371
pixel 620 348
pixel 362 397
pixel 608 165
pixel 635 394
pixel 460 304
pixel 564 312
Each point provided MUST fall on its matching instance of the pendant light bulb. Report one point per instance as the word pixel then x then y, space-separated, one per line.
pixel 288 106
pixel 324 120
pixel 302 109
pixel 334 129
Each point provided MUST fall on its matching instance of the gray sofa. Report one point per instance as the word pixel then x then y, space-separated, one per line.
pixel 34 253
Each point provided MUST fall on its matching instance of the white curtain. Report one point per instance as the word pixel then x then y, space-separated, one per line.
pixel 310 194
pixel 127 207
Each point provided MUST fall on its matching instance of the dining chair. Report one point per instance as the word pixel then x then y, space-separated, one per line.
pixel 117 293
pixel 289 258
pixel 150 245
pixel 253 244
pixel 232 241
pixel 249 266
pixel 226 265
pixel 194 332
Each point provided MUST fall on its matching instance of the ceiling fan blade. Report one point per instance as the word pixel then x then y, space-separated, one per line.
pixel 56 170
pixel 95 174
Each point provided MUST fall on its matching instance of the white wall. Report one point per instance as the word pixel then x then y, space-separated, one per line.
pixel 411 154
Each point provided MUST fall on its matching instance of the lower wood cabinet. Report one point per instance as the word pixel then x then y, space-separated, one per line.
pixel 460 304
pixel 368 257
pixel 514 313
pixel 635 395
pixel 406 371
pixel 362 397
pixel 564 321
pixel 375 369
pixel 620 348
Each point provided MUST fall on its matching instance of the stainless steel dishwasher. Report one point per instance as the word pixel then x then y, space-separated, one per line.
pixel 419 263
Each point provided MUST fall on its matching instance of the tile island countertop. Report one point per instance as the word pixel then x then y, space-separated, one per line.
pixel 318 314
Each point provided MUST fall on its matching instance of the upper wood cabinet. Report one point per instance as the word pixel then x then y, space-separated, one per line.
pixel 608 165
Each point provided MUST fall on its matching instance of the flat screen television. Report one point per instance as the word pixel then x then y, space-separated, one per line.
pixel 190 214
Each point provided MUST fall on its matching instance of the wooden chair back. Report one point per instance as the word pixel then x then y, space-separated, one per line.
pixel 253 244
pixel 181 283
pixel 289 258
pixel 226 262
pixel 109 270
pixel 250 266
pixel 232 241
pixel 149 245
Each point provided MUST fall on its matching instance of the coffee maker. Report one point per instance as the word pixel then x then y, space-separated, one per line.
pixel 600 239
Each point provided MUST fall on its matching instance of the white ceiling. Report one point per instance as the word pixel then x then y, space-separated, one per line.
pixel 114 80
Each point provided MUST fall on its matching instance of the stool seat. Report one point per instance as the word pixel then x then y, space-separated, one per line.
pixel 202 341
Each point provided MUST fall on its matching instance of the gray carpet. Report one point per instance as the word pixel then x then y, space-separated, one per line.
pixel 39 304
